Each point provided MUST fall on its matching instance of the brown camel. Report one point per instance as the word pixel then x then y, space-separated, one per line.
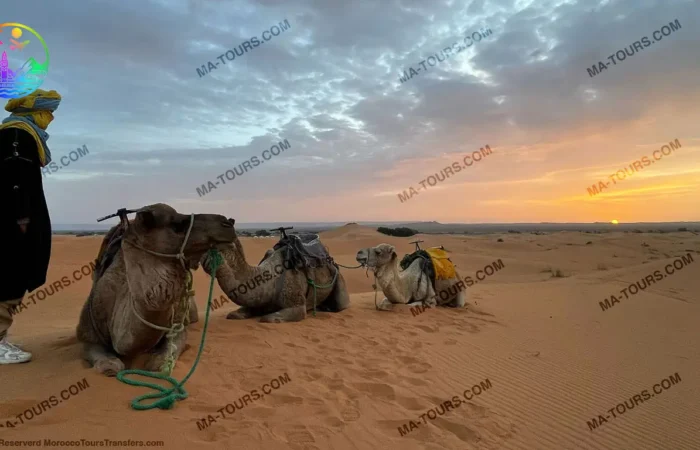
pixel 274 289
pixel 138 280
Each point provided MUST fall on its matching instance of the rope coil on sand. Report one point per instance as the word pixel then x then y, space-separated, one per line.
pixel 166 397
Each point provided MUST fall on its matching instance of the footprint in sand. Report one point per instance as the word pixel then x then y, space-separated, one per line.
pixel 293 345
pixel 65 341
pixel 463 433
pixel 342 360
pixel 281 399
pixel 477 410
pixel 407 359
pixel 330 337
pixel 374 374
pixel 334 422
pixel 350 414
pixel 414 364
pixel 312 375
pixel 376 390
pixel 301 437
pixel 415 381
pixel 427 329
pixel 335 383
pixel 411 403
pixel 470 328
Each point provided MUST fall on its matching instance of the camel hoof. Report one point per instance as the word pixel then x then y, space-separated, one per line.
pixel 270 320
pixel 235 315
pixel 109 367
pixel 385 305
pixel 155 365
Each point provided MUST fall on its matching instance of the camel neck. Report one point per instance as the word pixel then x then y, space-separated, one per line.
pixel 238 262
pixel 390 282
pixel 244 284
pixel 155 284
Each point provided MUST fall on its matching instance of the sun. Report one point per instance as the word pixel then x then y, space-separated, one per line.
pixel 614 222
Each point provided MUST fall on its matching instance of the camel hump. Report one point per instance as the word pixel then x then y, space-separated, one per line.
pixel 305 250
pixel 109 249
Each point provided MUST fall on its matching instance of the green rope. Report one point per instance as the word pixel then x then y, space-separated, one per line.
pixel 312 283
pixel 168 396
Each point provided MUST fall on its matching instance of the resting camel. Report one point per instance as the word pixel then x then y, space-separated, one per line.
pixel 410 285
pixel 139 276
pixel 274 289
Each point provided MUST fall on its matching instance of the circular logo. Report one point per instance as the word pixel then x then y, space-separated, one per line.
pixel 21 71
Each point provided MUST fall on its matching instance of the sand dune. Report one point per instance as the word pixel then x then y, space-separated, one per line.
pixel 553 357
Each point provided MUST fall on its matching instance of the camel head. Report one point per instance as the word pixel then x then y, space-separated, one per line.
pixel 159 228
pixel 376 257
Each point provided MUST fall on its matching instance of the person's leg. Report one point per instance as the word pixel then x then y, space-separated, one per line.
pixel 10 353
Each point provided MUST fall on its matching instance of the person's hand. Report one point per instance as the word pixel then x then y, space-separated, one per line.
pixel 23 224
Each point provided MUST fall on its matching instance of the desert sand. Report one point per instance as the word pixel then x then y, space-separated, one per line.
pixel 553 357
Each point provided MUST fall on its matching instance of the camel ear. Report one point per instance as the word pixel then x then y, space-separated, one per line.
pixel 393 255
pixel 147 218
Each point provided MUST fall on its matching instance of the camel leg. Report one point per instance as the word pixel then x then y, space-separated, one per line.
pixel 160 351
pixel 104 361
pixel 426 292
pixel 292 314
pixel 459 301
pixel 243 313
pixel 194 314
pixel 338 299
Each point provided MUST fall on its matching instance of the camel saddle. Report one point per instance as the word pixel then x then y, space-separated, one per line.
pixel 303 251
pixel 434 263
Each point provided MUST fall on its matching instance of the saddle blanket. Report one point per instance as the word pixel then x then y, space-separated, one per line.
pixel 444 268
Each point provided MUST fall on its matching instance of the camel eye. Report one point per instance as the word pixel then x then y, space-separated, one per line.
pixel 181 226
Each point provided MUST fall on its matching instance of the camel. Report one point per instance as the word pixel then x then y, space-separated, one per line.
pixel 275 289
pixel 139 279
pixel 410 285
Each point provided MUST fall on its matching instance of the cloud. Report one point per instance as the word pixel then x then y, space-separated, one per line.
pixel 330 85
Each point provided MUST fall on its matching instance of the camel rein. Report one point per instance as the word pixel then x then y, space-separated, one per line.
pixel 166 397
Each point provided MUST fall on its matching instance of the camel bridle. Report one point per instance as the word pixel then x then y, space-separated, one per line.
pixel 179 256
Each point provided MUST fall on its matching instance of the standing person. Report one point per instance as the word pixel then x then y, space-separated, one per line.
pixel 25 226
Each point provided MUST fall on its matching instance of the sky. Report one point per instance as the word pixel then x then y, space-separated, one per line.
pixel 329 85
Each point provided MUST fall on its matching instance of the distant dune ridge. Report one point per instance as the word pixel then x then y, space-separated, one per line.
pixel 437 227
pixel 533 342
